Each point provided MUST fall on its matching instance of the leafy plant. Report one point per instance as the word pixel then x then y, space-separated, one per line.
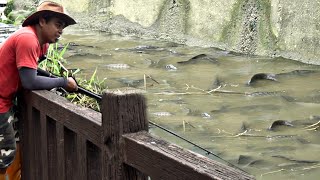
pixel 54 64
pixel 94 85
pixel 54 61
pixel 9 8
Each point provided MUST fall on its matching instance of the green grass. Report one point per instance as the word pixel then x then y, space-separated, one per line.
pixel 55 65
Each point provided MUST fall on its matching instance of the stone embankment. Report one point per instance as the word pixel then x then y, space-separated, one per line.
pixel 286 28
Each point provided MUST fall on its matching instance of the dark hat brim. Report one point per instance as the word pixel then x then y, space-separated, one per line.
pixel 34 18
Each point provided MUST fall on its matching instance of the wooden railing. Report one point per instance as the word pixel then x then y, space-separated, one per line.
pixel 63 141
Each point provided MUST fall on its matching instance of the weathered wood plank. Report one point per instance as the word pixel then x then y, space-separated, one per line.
pixel 70 154
pixel 60 169
pixel 52 149
pixel 36 147
pixel 78 146
pixel 81 166
pixel 121 113
pixel 25 124
pixel 95 166
pixel 163 160
pixel 43 146
pixel 81 120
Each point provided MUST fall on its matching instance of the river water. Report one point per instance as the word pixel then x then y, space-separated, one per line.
pixel 203 95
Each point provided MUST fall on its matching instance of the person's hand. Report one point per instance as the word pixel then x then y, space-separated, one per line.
pixel 71 85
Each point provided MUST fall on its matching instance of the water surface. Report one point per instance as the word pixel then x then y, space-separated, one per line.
pixel 210 103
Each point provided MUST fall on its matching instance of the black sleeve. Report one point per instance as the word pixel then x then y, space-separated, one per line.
pixel 30 80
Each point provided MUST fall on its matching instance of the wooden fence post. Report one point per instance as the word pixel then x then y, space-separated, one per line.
pixel 122 112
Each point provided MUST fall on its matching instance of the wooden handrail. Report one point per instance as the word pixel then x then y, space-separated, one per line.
pixel 61 140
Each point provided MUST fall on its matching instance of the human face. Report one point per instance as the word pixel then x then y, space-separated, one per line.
pixel 51 30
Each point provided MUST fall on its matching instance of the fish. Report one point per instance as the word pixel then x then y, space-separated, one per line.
pixel 275 77
pixel 176 101
pixel 162 114
pixel 296 160
pixel 262 76
pixel 88 55
pixel 250 161
pixel 204 115
pixel 298 73
pixel 130 82
pixel 170 67
pixel 147 49
pixel 117 66
pixel 265 93
pixel 199 58
pixel 217 83
pixel 80 45
pixel 247 109
pixel 276 124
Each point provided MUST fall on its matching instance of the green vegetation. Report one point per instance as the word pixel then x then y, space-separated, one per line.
pixel 9 8
pixel 54 64
pixel 16 16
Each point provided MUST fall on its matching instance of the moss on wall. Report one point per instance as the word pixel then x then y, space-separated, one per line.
pixel 261 27
pixel 173 17
pixel 249 30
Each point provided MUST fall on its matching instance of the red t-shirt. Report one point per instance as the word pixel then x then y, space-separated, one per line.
pixel 21 49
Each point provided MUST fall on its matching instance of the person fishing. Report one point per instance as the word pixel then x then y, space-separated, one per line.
pixel 19 56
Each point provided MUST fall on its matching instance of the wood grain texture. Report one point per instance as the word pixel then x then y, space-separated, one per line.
pixel 163 160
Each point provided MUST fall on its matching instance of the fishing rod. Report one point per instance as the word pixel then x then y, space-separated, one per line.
pixel 99 98
pixel 80 89
pixel 48 74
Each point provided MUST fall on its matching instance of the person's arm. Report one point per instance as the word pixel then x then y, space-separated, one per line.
pixel 30 80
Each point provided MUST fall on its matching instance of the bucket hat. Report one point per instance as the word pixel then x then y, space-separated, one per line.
pixel 49 7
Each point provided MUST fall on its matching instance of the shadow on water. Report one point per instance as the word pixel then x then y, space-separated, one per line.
pixel 257 113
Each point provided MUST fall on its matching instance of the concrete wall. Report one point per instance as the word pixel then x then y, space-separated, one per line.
pixel 288 28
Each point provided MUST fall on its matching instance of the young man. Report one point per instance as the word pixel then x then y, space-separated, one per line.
pixel 19 55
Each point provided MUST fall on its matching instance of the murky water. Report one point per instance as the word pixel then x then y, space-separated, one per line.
pixel 207 100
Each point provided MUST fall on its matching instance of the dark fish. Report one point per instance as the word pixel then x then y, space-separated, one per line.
pixel 248 109
pixel 200 57
pixel 262 76
pixel 305 99
pixel 243 159
pixel 296 160
pixel 87 55
pixel 149 49
pixel 275 77
pixel 176 101
pixel 289 98
pixel 305 122
pixel 131 82
pixel 204 115
pixel 272 93
pixel 217 83
pixel 298 73
pixel 274 149
pixel 244 127
pixel 146 49
pixel 249 161
pixel 73 44
pixel 279 123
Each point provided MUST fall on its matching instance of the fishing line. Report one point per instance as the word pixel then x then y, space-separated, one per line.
pixel 204 149
pixel 98 97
